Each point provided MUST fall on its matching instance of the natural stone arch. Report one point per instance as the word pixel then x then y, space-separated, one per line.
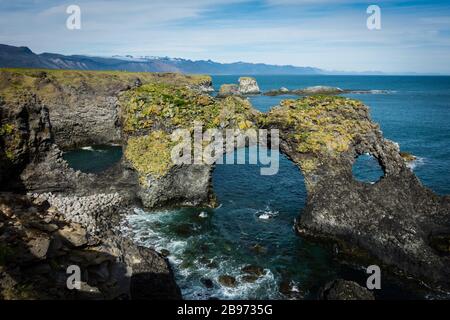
pixel 391 220
pixel 397 221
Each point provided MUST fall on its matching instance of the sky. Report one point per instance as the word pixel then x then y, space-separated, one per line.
pixel 328 34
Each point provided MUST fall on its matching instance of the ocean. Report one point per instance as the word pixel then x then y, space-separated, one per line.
pixel 253 224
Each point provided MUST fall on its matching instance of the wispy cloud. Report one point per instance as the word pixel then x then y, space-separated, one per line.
pixel 327 34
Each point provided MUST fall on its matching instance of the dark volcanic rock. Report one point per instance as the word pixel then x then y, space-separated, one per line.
pixel 253 270
pixel 25 133
pixel 33 263
pixel 316 90
pixel 249 278
pixel 227 281
pixel 344 290
pixel 392 219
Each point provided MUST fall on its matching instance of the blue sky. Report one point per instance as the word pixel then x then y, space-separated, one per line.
pixel 329 34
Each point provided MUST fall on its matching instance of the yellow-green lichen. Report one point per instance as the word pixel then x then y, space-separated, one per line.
pixel 408 157
pixel 11 140
pixel 6 129
pixel 157 104
pixel 150 154
pixel 21 292
pixel 53 85
pixel 322 124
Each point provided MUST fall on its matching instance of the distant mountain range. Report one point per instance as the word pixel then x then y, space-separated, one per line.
pixel 23 57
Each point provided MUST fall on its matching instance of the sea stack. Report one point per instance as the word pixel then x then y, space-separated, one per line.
pixel 248 85
pixel 227 90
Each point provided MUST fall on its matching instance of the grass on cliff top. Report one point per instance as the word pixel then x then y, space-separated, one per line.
pixel 161 105
pixel 321 125
pixel 152 112
pixel 50 84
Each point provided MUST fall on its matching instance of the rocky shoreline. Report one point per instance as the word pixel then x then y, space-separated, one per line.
pixel 38 244
pixel 395 221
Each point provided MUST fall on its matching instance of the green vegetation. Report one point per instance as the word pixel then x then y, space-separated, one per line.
pixel 11 139
pixel 408 157
pixel 150 155
pixel 6 129
pixel 22 292
pixel 171 107
pixel 150 113
pixel 321 125
pixel 51 85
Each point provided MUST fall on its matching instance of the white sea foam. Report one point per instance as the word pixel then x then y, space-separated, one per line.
pixel 89 148
pixel 139 226
pixel 416 163
pixel 266 214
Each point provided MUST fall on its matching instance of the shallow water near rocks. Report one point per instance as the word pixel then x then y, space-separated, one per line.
pixel 253 225
pixel 93 159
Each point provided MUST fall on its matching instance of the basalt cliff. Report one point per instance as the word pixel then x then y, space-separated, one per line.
pixel 395 222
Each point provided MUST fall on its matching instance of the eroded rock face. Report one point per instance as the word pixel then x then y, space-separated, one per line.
pixel 189 185
pixel 83 105
pixel 345 290
pixel 25 133
pixel 247 86
pixel 38 245
pixel 397 221
pixel 227 90
pixel 392 219
pixel 150 118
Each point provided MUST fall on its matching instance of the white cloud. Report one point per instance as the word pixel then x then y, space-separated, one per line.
pixel 187 29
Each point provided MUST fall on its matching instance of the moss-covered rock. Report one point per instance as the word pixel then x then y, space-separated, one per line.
pixel 320 125
pixel 83 105
pixel 150 114
pixel 227 90
pixel 166 106
pixel 150 154
pixel 408 157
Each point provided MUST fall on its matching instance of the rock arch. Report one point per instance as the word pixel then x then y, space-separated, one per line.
pixel 396 221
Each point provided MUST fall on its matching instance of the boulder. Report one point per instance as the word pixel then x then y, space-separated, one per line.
pixel 344 290
pixel 76 236
pixel 248 85
pixel 277 92
pixel 227 90
pixel 253 270
pixel 227 281
pixel 39 245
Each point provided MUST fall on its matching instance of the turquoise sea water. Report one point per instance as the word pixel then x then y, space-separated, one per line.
pixel 415 113
pixel 253 224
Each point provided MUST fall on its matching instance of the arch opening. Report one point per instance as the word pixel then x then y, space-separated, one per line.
pixel 246 247
pixel 367 169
